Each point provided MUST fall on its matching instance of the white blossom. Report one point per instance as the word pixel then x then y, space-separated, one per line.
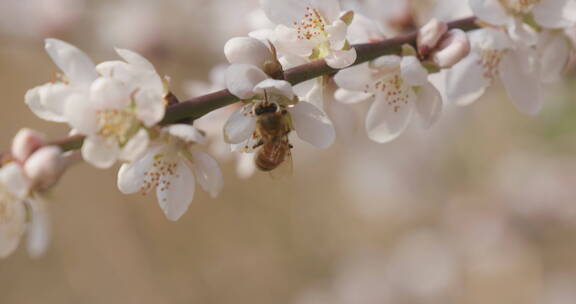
pixel 551 17
pixel 21 211
pixel 172 166
pixel 49 100
pixel 117 110
pixel 398 86
pixel 311 29
pixel 510 13
pixel 495 56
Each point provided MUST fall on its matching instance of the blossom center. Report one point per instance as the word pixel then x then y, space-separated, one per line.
pixel 490 62
pixel 519 6
pixel 117 124
pixel 311 26
pixel 160 174
pixel 395 90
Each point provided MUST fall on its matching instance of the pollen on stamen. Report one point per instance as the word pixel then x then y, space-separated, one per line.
pixel 490 62
pixel 519 6
pixel 311 26
pixel 158 175
pixel 116 123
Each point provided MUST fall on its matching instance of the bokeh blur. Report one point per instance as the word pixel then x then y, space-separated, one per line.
pixel 479 209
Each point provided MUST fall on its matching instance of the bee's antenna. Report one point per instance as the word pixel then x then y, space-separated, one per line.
pixel 265 96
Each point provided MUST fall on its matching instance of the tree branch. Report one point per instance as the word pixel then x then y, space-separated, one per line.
pixel 202 105
pixel 198 107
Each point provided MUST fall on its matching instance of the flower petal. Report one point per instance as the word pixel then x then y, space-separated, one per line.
pixel 38 230
pixel 53 97
pixel 341 59
pixel 490 39
pixel 428 105
pixel 522 34
pixel 100 152
pixel 329 9
pixel 316 95
pixel 412 71
pixel 523 87
pixel 80 114
pixel 284 11
pixel 135 147
pixel 77 66
pixel 135 77
pixel 241 79
pixel 114 69
pixel 490 11
pixel 554 51
pixel 176 196
pixel 465 82
pixel 186 133
pixel 288 43
pixel 385 120
pixel 207 173
pixel 273 86
pixel 555 13
pixel 355 78
pixel 302 89
pixel 247 50
pixel 386 64
pixel 139 73
pixel 12 226
pixel 150 107
pixel 109 93
pixel 12 178
pixel 312 125
pixel 135 59
pixel 337 34
pixel 240 126
pixel 34 100
pixel 364 30
pixel 351 97
pixel 131 176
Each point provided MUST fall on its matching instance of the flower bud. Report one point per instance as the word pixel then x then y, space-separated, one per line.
pixel 453 47
pixel 247 50
pixel 25 143
pixel 429 35
pixel 45 167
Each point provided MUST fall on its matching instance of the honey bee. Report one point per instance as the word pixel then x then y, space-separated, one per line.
pixel 272 128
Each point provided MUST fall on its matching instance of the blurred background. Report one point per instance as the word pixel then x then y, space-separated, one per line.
pixel 479 209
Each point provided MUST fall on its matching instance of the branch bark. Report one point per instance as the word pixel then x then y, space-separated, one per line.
pixel 202 105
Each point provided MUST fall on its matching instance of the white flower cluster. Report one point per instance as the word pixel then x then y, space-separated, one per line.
pixel 117 106
pixel 523 43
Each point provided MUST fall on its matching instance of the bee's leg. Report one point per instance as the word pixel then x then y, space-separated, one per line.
pixel 258 144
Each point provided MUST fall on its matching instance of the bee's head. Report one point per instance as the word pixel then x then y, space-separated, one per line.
pixel 265 108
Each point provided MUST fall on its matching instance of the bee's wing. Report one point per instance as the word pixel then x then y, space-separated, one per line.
pixel 286 168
